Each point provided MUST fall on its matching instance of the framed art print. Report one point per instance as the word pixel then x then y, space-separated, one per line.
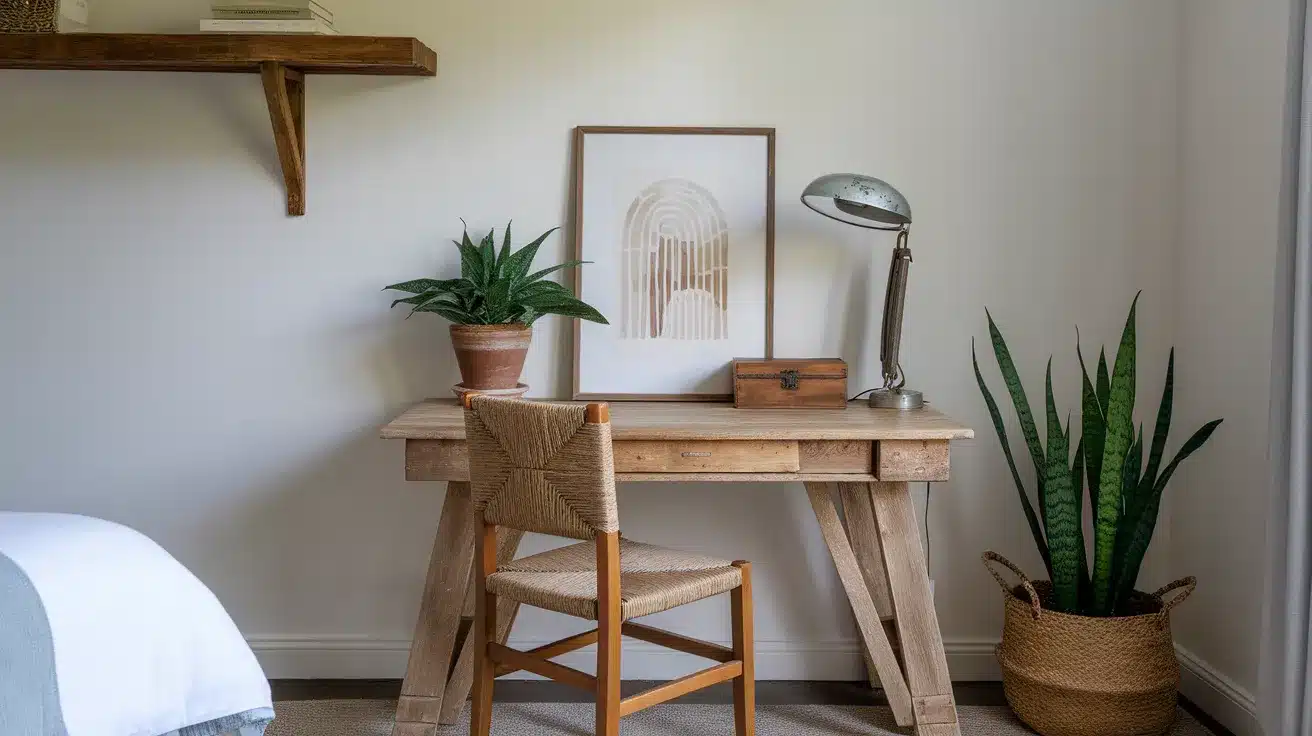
pixel 678 224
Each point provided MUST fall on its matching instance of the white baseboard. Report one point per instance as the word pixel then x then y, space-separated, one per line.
pixel 1217 695
pixel 297 657
pixel 355 657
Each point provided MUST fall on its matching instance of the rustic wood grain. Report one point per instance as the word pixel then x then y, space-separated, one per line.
pixel 837 456
pixel 448 460
pixel 555 649
pixel 740 478
pixel 609 626
pixel 504 655
pixel 935 709
pixel 670 640
pixel 462 675
pixel 913 460
pixel 369 55
pixel 439 612
pixel 864 536
pixel 938 729
pixel 442 419
pixel 429 460
pixel 917 622
pixel 863 606
pixel 699 456
pixel 485 623
pixel 284 92
pixel 828 443
pixel 680 687
pixel 821 384
pixel 744 648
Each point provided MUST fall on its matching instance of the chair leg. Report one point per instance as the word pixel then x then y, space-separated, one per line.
pixel 485 631
pixel 744 648
pixel 609 624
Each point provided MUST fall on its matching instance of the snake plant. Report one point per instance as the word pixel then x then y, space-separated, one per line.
pixel 496 288
pixel 1125 495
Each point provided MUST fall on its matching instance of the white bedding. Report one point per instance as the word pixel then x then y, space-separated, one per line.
pixel 102 633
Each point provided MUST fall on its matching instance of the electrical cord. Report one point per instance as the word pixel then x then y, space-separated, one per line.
pixel 929 547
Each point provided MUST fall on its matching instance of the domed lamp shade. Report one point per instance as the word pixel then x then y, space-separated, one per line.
pixel 859 200
pixel 874 204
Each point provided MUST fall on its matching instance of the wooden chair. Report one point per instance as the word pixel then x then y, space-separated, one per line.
pixel 547 468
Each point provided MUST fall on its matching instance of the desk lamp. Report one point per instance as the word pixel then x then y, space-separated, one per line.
pixel 870 203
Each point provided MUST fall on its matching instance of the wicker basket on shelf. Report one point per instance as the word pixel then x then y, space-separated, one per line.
pixel 1067 675
pixel 29 16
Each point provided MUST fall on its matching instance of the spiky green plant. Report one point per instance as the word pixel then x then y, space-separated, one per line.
pixel 1124 494
pixel 496 288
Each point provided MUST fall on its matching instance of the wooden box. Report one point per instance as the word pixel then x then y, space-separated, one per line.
pixel 811 383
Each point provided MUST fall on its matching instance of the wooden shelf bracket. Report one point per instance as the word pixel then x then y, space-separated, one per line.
pixel 282 61
pixel 284 91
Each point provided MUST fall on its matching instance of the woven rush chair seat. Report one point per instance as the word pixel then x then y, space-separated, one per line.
pixel 652 579
pixel 550 469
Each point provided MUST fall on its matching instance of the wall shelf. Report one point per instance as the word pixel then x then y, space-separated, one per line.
pixel 281 61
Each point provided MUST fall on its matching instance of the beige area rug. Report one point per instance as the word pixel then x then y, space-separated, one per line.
pixel 375 718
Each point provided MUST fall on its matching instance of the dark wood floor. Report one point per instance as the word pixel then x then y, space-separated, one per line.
pixel 767 693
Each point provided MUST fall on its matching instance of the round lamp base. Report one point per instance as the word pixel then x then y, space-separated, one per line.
pixel 902 400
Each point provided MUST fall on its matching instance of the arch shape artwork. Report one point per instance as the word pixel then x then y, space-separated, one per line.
pixel 675 265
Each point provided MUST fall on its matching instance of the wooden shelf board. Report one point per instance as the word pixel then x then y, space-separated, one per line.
pixel 371 55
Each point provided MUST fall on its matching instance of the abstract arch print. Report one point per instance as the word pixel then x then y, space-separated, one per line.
pixel 675 265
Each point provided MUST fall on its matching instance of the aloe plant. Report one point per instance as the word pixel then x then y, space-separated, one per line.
pixel 1125 495
pixel 496 288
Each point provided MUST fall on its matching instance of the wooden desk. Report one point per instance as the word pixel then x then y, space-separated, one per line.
pixel 867 455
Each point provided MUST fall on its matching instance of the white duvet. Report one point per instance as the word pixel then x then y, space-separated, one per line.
pixel 103 633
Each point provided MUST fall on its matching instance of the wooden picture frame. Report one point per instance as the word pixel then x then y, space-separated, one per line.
pixel 581 135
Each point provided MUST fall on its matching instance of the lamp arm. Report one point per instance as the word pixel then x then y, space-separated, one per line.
pixel 894 307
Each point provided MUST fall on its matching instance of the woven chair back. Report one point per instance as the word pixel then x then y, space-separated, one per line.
pixel 541 467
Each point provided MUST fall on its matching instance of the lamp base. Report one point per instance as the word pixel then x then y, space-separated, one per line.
pixel 900 399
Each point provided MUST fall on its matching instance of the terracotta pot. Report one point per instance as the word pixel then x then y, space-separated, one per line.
pixel 491 356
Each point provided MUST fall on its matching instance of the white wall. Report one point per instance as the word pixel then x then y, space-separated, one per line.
pixel 1234 81
pixel 181 357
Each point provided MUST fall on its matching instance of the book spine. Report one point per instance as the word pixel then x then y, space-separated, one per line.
pixel 273 5
pixel 260 14
pixel 267 26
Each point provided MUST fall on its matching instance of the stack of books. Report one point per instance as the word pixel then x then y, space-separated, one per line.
pixel 269 16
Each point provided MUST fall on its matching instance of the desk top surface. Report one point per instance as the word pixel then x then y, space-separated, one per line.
pixel 442 419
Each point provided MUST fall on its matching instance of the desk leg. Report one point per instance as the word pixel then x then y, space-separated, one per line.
pixel 462 677
pixel 420 704
pixel 863 606
pixel 863 535
pixel 917 623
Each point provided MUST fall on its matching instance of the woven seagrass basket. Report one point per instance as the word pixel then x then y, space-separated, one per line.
pixel 29 16
pixel 1067 675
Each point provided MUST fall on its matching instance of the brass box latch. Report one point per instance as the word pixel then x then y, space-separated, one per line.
pixel 788 380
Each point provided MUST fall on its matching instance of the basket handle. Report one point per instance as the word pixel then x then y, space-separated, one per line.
pixel 1188 584
pixel 991 557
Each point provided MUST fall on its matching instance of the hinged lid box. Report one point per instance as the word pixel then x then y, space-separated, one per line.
pixel 807 383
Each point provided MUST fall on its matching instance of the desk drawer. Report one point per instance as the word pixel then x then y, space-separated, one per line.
pixel 724 456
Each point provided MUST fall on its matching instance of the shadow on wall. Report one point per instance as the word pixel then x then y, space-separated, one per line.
pixel 809 262
pixel 341 517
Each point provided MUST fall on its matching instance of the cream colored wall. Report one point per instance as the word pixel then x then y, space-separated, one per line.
pixel 182 357
pixel 1234 81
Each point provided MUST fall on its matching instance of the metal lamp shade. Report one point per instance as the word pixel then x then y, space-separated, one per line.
pixel 874 204
pixel 863 201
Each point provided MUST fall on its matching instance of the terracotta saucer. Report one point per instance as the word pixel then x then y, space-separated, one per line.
pixel 504 393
